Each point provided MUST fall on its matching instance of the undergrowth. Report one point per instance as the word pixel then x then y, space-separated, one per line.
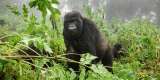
pixel 37 51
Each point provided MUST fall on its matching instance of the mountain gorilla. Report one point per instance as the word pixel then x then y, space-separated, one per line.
pixel 82 36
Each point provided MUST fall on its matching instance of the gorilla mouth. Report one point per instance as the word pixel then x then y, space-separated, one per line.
pixel 72 27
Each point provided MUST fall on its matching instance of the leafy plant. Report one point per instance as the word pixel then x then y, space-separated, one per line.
pixel 44 5
pixel 140 40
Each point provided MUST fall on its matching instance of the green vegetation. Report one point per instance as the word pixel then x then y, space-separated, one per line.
pixel 44 46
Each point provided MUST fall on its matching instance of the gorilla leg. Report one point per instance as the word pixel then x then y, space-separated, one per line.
pixel 71 64
pixel 107 61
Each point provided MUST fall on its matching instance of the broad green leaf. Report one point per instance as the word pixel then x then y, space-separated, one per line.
pixel 47 48
pixel 87 58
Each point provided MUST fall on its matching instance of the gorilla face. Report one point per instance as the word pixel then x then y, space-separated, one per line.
pixel 73 24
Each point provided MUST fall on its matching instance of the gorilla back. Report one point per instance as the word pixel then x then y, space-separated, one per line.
pixel 82 36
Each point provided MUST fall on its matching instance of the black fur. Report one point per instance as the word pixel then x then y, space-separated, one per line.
pixel 85 39
pixel 116 50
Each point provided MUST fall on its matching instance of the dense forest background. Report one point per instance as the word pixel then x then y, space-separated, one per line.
pixel 32 45
pixel 121 9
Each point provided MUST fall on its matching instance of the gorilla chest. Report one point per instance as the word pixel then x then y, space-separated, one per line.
pixel 80 46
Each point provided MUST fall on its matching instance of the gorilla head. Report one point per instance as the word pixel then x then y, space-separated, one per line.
pixel 73 24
